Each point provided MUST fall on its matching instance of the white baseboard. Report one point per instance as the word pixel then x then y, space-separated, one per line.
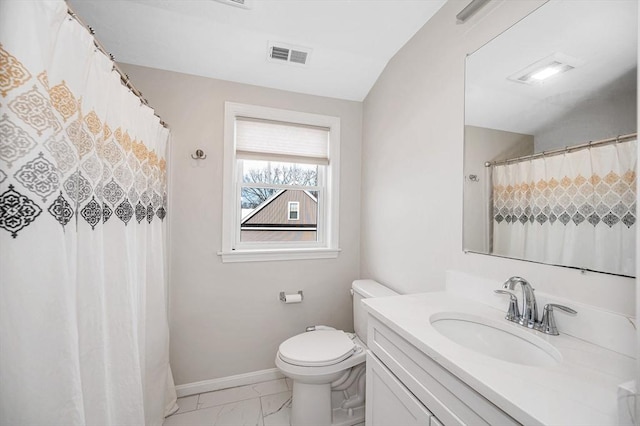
pixel 228 382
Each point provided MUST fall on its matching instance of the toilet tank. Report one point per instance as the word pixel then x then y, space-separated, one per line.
pixel 363 289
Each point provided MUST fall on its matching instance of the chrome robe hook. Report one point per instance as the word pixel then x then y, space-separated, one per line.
pixel 199 155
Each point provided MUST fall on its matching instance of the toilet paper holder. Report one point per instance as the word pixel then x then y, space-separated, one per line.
pixel 283 296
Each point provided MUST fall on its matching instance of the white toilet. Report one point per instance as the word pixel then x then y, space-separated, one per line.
pixel 327 367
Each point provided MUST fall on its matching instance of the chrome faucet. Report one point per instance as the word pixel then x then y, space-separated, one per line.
pixel 529 316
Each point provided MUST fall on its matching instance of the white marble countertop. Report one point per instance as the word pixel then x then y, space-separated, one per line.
pixel 579 390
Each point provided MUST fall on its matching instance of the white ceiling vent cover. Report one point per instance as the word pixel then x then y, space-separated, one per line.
pixel 540 71
pixel 286 53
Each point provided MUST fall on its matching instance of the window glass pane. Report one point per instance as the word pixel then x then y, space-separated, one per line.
pixel 250 198
pixel 272 219
pixel 278 173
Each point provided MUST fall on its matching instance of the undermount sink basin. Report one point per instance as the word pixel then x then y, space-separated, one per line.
pixel 495 339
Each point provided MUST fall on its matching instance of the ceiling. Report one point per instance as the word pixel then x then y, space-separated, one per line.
pixel 351 41
pixel 601 35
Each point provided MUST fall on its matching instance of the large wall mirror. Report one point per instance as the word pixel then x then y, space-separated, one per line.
pixel 550 138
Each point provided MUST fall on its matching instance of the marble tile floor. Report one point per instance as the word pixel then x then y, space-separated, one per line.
pixel 260 404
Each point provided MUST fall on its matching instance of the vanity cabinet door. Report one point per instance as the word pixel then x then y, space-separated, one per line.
pixel 388 401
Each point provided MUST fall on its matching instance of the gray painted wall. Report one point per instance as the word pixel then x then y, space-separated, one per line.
pixel 612 113
pixel 226 319
pixel 481 145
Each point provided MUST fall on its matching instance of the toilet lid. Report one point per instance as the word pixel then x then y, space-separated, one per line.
pixel 317 348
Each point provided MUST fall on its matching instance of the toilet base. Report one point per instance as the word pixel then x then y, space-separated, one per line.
pixel 311 404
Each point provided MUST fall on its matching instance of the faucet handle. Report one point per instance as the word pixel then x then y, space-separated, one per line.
pixel 548 323
pixel 513 314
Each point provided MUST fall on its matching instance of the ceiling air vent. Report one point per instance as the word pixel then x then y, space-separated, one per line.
pixel 282 52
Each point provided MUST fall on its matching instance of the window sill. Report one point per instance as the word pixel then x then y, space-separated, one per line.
pixel 277 254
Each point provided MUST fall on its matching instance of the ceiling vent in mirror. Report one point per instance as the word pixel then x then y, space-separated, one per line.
pixel 245 4
pixel 546 68
pixel 286 53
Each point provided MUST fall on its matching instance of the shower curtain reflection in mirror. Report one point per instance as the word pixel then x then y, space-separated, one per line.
pixel 577 208
pixel 83 323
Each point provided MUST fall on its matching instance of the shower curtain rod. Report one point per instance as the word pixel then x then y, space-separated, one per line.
pixel 124 78
pixel 607 141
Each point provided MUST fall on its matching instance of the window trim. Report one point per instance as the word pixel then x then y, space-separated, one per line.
pixel 328 214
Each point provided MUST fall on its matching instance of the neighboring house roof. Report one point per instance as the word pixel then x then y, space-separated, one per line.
pixel 284 195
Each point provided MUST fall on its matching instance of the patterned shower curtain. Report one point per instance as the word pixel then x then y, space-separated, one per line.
pixel 83 198
pixel 575 209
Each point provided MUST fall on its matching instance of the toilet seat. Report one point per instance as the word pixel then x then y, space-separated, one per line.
pixel 317 348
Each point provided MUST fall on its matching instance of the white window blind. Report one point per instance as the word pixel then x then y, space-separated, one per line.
pixel 280 141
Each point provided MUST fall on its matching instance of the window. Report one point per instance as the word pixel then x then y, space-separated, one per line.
pixel 281 184
pixel 294 209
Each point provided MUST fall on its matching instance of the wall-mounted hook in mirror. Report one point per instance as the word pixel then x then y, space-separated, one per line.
pixel 199 155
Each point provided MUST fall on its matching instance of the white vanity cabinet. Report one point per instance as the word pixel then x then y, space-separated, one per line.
pixel 389 402
pixel 406 387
